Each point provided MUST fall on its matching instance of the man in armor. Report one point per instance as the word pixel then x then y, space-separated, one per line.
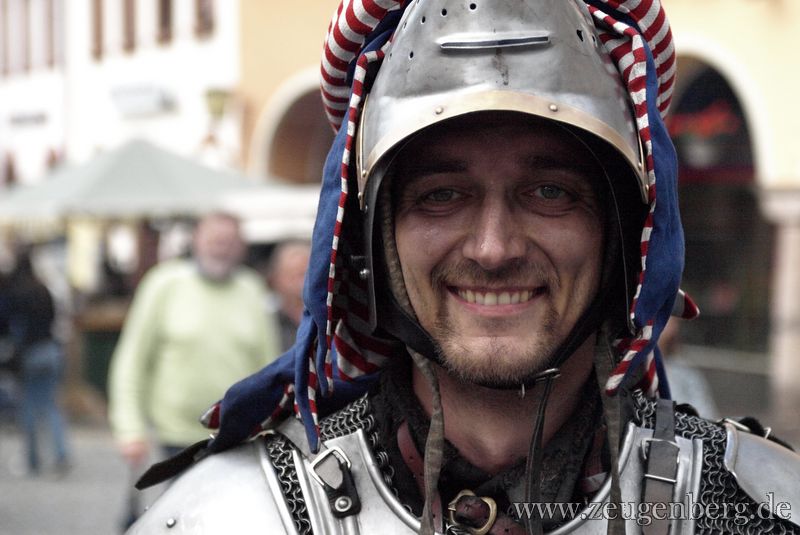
pixel 478 351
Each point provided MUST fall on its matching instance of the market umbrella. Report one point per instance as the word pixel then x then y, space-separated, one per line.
pixel 137 179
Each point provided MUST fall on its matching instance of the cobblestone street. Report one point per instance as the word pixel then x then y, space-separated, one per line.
pixel 90 499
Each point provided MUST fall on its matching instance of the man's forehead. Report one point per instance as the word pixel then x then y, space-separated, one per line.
pixel 528 142
pixel 493 124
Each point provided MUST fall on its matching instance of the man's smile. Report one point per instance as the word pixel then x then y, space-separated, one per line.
pixel 496 297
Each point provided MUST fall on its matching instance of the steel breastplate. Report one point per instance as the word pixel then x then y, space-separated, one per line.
pixel 383 513
pixel 267 486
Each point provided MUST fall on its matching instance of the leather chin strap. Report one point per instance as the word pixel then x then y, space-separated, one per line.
pixel 533 465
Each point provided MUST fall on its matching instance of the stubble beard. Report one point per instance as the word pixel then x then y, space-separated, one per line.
pixel 495 362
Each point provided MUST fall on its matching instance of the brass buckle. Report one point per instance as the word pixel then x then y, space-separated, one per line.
pixel 483 530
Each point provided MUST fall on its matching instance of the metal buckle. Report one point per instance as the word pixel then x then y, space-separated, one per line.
pixel 645 449
pixel 483 530
pixel 340 457
pixel 738 425
pixel 663 479
pixel 741 427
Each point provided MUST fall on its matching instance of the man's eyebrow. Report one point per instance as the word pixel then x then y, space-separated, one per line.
pixel 425 167
pixel 578 166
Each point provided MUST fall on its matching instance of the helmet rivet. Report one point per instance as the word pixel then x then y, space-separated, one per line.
pixel 171 522
pixel 343 504
pixel 553 107
pixel 363 274
pixel 438 110
pixel 364 173
pixel 360 195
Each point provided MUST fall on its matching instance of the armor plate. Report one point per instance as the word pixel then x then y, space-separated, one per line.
pixel 239 491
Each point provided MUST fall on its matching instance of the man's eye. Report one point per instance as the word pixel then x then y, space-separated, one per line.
pixel 440 195
pixel 550 192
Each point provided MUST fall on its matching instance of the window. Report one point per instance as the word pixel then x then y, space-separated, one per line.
pixel 204 23
pixel 26 35
pixel 97 29
pixel 4 57
pixel 54 28
pixel 50 32
pixel 40 27
pixel 15 36
pixel 164 21
pixel 129 25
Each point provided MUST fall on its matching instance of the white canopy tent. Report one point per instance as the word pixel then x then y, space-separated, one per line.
pixel 141 181
pixel 136 180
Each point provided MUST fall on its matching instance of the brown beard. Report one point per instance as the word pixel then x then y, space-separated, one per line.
pixel 478 369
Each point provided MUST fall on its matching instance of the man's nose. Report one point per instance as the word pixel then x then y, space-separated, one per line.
pixel 496 236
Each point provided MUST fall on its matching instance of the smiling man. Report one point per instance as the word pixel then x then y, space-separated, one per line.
pixel 500 255
pixel 477 353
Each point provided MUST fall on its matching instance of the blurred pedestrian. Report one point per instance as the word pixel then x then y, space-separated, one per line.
pixel 39 357
pixel 195 325
pixel 285 273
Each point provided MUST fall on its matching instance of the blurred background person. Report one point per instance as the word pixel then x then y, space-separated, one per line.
pixel 285 274
pixel 687 384
pixel 38 361
pixel 195 326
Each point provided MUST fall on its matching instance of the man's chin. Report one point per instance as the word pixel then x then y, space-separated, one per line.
pixel 492 373
pixel 215 272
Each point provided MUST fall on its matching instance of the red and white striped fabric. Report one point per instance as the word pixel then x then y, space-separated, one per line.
pixel 625 45
pixel 353 21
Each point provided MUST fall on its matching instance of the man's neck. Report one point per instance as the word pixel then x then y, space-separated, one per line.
pixel 492 428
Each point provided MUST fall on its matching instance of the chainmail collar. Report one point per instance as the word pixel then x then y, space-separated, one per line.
pixel 393 402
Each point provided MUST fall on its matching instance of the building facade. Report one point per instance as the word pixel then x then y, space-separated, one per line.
pixel 733 121
pixel 82 76
pixel 286 134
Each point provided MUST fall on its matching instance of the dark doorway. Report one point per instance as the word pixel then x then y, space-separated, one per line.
pixel 301 142
pixel 728 243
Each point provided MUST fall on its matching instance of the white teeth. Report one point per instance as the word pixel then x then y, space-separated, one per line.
pixel 494 298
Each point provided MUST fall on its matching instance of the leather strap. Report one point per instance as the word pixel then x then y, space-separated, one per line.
pixel 416 465
pixel 169 468
pixel 467 510
pixel 661 455
pixel 330 467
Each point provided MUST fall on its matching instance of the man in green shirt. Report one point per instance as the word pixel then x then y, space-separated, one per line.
pixel 195 326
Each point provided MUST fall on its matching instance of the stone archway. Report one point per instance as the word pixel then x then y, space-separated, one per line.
pixel 729 243
pixel 301 142
pixel 292 136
